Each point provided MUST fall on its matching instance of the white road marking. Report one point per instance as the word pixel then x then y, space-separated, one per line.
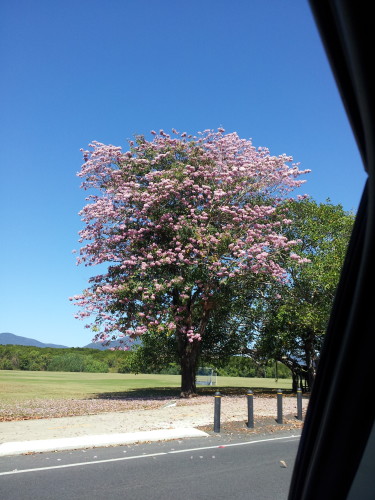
pixel 150 455
pixel 79 464
pixel 238 444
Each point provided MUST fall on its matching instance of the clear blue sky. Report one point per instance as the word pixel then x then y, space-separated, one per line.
pixel 77 71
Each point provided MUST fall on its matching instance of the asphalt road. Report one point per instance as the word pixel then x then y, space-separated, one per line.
pixel 207 468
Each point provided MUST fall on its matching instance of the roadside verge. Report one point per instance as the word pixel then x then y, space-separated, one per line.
pixel 79 442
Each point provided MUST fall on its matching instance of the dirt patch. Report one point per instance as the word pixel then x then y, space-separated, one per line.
pixel 262 426
pixel 53 419
pixel 196 411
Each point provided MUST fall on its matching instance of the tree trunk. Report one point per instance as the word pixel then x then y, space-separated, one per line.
pixel 188 372
pixel 299 372
pixel 310 360
pixel 294 381
pixel 189 353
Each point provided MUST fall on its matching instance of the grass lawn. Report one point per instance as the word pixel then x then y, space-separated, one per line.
pixel 17 386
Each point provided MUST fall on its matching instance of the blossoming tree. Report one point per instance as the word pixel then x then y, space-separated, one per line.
pixel 177 220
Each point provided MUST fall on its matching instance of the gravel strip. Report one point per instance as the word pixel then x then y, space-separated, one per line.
pixel 232 406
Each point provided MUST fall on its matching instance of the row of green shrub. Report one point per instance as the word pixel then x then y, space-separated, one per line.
pixel 239 366
pixel 14 357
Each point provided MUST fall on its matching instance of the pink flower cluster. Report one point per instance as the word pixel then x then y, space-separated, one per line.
pixel 174 218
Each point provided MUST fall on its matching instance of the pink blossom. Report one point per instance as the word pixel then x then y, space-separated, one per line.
pixel 169 207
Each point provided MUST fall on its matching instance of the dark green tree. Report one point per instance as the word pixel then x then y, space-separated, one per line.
pixel 291 327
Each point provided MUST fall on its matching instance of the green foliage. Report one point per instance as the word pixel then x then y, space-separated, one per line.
pixel 226 333
pixel 67 363
pixel 125 365
pixel 143 360
pixel 157 351
pixel 171 369
pixel 292 327
pixel 77 363
pixel 240 366
pixel 15 357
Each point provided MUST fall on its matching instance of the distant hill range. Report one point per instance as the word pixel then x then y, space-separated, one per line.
pixel 113 344
pixel 11 339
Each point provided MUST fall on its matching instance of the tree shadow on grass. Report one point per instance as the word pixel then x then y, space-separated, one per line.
pixel 174 393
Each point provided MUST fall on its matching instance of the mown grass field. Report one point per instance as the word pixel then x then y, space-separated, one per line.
pixel 18 386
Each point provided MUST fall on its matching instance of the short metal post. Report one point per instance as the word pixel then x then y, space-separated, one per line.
pixel 217 412
pixel 250 409
pixel 299 403
pixel 279 406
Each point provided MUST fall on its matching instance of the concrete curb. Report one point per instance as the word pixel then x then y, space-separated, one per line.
pixel 81 442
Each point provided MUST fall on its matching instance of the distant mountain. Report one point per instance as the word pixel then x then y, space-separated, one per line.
pixel 11 339
pixel 112 344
